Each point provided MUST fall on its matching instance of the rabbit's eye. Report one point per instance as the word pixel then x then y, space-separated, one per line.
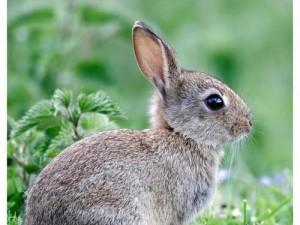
pixel 214 102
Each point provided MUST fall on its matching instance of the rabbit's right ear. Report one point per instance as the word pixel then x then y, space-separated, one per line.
pixel 155 57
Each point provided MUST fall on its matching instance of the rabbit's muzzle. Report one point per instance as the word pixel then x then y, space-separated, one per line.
pixel 241 127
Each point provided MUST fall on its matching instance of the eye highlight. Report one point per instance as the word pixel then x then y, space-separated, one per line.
pixel 214 102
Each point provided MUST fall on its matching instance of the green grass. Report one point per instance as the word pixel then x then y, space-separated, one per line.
pixel 250 203
pixel 12 219
pixel 248 217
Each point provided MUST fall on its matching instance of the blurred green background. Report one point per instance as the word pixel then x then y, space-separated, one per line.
pixel 86 46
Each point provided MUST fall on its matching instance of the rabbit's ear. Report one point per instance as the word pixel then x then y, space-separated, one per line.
pixel 155 57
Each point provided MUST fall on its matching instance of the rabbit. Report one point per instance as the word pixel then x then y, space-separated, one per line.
pixel 164 175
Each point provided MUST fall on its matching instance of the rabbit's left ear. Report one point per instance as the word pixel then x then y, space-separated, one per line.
pixel 155 57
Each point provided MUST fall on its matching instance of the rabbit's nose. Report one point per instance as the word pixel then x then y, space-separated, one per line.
pixel 249 126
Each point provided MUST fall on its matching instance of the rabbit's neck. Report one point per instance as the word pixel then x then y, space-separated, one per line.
pixel 157 120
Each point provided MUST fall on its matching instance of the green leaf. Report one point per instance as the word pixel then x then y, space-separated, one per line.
pixel 62 101
pixel 91 123
pixel 31 168
pixel 63 97
pixel 61 141
pixel 12 171
pixel 52 153
pixel 52 131
pixel 15 185
pixel 98 102
pixel 40 114
pixel 75 114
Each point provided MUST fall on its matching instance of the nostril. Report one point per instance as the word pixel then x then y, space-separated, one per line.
pixel 250 123
pixel 249 128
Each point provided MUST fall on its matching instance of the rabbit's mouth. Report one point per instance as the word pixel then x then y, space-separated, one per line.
pixel 239 131
pixel 241 128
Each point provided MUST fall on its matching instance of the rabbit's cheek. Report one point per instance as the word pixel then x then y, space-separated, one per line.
pixel 235 130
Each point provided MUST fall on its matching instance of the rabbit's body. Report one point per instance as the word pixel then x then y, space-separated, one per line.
pixel 161 176
pixel 126 177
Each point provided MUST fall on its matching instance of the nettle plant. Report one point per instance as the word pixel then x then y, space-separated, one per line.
pixel 46 129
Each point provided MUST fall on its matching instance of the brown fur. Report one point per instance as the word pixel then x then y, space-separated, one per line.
pixel 161 176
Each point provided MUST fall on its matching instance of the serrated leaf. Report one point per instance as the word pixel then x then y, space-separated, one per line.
pixel 91 123
pixel 41 113
pixel 98 102
pixel 75 114
pixel 62 140
pixel 52 131
pixel 62 100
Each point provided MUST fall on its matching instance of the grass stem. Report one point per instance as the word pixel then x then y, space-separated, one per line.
pixel 245 211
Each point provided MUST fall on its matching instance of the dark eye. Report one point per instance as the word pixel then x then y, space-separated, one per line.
pixel 214 102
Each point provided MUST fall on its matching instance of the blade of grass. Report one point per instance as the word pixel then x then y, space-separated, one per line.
pixel 268 215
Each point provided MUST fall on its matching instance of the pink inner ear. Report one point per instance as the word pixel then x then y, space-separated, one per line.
pixel 149 56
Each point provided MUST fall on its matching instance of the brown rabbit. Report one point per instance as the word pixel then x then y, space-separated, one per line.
pixel 165 175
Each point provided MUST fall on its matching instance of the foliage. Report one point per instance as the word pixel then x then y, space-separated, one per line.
pixel 46 129
pixel 249 201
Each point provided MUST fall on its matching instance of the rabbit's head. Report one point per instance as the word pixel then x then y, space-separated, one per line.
pixel 192 103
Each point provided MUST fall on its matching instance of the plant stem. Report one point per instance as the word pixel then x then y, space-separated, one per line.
pixel 77 136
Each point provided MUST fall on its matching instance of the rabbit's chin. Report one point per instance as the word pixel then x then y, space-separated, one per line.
pixel 237 139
